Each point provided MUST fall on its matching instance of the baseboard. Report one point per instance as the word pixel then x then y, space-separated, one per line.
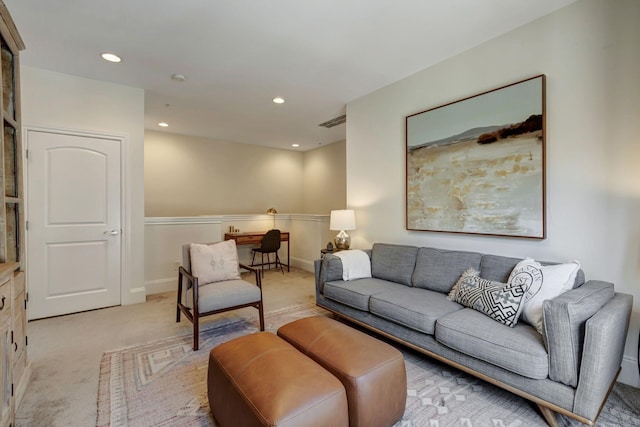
pixel 135 296
pixel 160 286
pixel 629 374
pixel 302 264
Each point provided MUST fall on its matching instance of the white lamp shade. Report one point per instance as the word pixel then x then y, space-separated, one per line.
pixel 344 219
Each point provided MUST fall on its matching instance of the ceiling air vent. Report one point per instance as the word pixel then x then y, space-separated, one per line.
pixel 334 122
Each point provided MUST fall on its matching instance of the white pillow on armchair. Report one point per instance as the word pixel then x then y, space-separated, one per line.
pixel 214 263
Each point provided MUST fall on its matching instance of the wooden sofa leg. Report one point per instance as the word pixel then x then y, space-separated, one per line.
pixel 549 416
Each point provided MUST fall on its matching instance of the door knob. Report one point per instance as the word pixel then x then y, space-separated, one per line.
pixel 112 232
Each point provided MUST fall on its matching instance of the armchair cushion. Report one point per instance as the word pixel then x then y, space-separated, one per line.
pixel 214 263
pixel 228 293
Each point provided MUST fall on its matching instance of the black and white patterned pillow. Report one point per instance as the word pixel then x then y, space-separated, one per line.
pixel 500 301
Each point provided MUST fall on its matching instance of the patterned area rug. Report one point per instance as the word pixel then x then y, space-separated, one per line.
pixel 164 384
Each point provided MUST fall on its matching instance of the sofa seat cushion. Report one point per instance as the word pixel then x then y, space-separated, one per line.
pixel 414 308
pixel 356 293
pixel 520 349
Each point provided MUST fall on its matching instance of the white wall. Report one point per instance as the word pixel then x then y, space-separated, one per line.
pixel 589 53
pixel 163 240
pixel 164 237
pixel 61 101
pixel 186 175
pixel 325 172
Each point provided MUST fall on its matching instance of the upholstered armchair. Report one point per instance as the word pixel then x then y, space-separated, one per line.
pixel 209 282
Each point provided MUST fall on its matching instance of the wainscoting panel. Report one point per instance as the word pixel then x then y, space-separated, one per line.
pixel 165 236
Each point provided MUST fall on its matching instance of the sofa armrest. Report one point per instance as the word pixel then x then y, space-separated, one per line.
pixel 564 323
pixel 330 269
pixel 605 337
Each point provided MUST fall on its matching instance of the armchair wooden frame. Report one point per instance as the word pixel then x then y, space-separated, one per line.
pixel 194 315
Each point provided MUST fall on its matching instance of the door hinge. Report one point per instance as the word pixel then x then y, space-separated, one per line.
pixel 11 389
pixel 26 340
pixel 26 225
pixel 11 337
pixel 27 153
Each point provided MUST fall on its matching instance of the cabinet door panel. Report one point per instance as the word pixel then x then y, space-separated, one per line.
pixel 5 373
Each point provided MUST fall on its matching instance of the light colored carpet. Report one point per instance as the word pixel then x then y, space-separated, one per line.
pixel 165 383
pixel 66 351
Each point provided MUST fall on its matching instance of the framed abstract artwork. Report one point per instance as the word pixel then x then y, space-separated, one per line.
pixel 477 165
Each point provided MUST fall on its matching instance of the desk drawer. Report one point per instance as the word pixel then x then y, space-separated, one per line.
pixel 248 240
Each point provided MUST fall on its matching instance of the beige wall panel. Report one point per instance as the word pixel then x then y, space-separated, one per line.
pixel 187 176
pixel 325 173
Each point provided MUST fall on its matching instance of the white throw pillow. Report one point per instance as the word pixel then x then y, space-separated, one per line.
pixel 545 282
pixel 214 263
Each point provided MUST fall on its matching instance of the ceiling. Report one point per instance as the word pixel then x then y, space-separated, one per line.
pixel 237 55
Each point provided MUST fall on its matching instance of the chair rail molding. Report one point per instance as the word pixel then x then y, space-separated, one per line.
pixel 182 220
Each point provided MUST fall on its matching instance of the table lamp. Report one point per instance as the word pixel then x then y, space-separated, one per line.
pixel 342 220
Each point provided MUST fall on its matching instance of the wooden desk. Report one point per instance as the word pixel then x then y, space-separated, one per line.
pixel 255 238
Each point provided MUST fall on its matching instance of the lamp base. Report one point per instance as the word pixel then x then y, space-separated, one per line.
pixel 342 240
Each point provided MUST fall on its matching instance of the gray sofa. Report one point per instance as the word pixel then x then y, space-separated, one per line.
pixel 570 370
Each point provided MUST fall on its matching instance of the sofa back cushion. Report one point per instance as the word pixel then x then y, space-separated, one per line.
pixel 498 268
pixel 393 262
pixel 438 270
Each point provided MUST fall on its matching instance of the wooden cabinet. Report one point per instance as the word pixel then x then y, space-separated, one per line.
pixel 14 364
pixel 6 410
pixel 12 211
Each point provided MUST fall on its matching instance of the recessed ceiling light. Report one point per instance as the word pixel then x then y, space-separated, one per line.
pixel 278 100
pixel 163 124
pixel 111 57
pixel 295 145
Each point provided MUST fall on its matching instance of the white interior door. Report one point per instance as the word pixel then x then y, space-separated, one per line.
pixel 74 214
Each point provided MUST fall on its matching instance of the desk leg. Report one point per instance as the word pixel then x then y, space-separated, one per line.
pixel 288 257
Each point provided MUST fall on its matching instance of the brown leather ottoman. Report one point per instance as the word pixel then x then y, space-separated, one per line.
pixel 261 380
pixel 372 372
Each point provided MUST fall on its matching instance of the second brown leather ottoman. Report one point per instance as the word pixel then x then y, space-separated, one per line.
pixel 261 380
pixel 372 372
